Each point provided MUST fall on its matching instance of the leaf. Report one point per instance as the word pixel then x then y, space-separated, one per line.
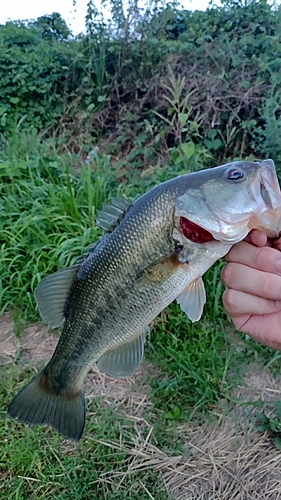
pixel 263 422
pixel 278 410
pixel 261 417
pixel 277 443
pixel 188 149
pixel 275 425
pixel 213 144
pixel 3 120
pixel 183 117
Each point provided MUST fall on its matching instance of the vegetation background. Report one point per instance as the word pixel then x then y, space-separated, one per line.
pixel 149 94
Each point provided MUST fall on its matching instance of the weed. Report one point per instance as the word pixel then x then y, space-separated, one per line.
pixel 272 424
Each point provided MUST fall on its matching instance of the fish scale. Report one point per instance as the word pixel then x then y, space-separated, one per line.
pixel 140 266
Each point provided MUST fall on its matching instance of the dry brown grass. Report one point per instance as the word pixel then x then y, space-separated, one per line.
pixel 226 460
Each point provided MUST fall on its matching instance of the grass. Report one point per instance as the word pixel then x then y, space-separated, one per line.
pixel 48 204
pixel 48 218
pixel 36 463
pixel 192 361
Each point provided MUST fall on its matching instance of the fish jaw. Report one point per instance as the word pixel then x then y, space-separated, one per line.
pixel 255 204
pixel 268 216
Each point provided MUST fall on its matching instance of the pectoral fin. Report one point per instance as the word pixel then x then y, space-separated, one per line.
pixel 159 271
pixel 51 294
pixel 192 299
pixel 124 359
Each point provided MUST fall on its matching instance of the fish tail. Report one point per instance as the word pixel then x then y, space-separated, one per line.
pixel 37 404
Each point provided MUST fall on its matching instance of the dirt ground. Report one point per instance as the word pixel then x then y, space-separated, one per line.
pixel 228 460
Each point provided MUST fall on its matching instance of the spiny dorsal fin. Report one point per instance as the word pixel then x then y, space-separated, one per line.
pixel 111 215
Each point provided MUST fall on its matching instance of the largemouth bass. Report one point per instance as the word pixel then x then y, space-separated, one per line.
pixel 155 250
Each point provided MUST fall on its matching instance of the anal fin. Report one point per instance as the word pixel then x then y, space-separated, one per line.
pixel 124 359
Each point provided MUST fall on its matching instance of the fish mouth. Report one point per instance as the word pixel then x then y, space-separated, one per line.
pixel 194 233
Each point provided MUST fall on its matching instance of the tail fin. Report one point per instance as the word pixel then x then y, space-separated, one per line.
pixel 35 404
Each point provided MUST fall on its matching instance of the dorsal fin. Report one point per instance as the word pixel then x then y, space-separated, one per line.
pixel 51 294
pixel 111 215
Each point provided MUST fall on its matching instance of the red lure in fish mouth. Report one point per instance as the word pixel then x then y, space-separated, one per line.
pixel 193 232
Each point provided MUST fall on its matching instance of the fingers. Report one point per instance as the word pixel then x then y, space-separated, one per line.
pixel 257 238
pixel 265 258
pixel 252 298
pixel 264 328
pixel 251 281
pixel 239 304
pixel 260 240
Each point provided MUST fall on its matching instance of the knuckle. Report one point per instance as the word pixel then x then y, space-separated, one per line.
pixel 269 286
pixel 260 257
pixel 265 286
pixel 229 301
pixel 227 274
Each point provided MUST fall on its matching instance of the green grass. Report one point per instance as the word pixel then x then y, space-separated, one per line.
pixel 36 463
pixel 192 361
pixel 48 204
pixel 48 217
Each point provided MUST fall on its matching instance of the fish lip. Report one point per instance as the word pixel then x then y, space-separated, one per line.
pixel 268 198
pixel 268 172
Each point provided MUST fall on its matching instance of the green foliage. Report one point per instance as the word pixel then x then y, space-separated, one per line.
pixel 33 76
pixel 192 362
pixel 160 91
pixel 112 84
pixel 47 213
pixel 271 424
pixel 52 27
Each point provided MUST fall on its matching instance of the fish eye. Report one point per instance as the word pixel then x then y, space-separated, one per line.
pixel 235 174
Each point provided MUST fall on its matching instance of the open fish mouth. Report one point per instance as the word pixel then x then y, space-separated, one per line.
pixel 193 232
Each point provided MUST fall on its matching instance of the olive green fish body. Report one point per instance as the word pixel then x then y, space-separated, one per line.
pixel 111 297
pixel 154 252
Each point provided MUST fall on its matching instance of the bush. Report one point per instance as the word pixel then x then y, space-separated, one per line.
pixel 110 86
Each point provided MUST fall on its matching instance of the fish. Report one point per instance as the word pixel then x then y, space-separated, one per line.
pixel 153 251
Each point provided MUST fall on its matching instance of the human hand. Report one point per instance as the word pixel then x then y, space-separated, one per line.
pixel 252 298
